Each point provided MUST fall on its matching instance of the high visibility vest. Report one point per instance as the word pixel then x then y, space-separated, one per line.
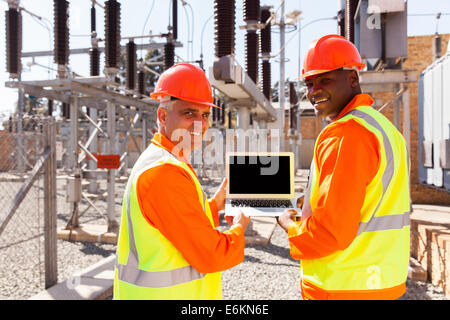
pixel 375 264
pixel 148 266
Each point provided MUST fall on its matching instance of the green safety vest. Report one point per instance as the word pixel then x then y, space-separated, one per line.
pixel 378 257
pixel 148 266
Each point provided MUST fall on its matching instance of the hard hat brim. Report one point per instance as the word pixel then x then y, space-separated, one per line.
pixel 314 73
pixel 157 96
pixel 311 73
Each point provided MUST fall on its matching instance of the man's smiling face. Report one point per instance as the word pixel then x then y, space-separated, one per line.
pixel 330 92
pixel 185 118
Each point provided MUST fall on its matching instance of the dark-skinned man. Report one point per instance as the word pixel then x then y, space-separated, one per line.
pixel 353 236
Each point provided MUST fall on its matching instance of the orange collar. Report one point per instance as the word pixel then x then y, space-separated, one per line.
pixel 362 99
pixel 161 141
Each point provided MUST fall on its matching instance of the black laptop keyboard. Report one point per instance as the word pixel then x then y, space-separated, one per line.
pixel 261 203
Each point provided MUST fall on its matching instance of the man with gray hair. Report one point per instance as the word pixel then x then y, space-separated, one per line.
pixel 168 247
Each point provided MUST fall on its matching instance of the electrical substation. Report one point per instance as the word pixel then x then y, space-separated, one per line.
pixel 67 174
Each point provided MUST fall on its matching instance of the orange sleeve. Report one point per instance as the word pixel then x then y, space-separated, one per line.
pixel 347 160
pixel 169 201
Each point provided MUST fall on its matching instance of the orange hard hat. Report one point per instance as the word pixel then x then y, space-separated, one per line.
pixel 329 53
pixel 186 82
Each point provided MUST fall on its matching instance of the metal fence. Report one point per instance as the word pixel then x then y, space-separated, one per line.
pixel 34 210
pixel 28 207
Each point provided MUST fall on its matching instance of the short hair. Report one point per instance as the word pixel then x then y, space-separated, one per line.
pixel 167 105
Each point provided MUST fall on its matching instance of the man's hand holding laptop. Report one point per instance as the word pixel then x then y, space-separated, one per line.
pixel 219 197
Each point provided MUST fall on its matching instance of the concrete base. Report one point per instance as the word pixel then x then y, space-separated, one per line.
pixel 263 228
pixel 93 283
pixel 430 243
pixel 89 233
pixel 431 214
pixel 415 271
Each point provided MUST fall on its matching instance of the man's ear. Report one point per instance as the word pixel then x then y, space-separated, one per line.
pixel 162 115
pixel 354 79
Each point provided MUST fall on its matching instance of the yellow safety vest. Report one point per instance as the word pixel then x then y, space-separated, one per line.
pixel 148 266
pixel 378 257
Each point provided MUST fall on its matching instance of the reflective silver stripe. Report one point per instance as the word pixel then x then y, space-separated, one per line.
pixel 388 171
pixel 130 272
pixel 133 257
pixel 307 198
pixel 157 279
pixel 310 178
pixel 204 200
pixel 389 222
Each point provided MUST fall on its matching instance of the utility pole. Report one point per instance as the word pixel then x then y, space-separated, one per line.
pixel 14 67
pixel 20 109
pixel 299 43
pixel 282 84
pixel 299 70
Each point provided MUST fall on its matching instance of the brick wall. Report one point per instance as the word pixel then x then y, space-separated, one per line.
pixel 310 127
pixel 8 150
pixel 430 243
pixel 420 56
pixel 8 146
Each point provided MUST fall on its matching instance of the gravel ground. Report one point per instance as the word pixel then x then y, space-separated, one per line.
pixel 268 272
pixel 22 259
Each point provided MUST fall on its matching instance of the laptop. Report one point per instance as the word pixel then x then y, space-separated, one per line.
pixel 260 184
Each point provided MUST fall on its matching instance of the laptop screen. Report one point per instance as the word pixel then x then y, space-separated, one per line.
pixel 259 174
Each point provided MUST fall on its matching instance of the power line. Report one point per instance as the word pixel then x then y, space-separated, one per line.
pixel 201 37
pixel 45 23
pixel 145 24
pixel 429 14
pixel 300 29
pixel 190 33
pixel 192 30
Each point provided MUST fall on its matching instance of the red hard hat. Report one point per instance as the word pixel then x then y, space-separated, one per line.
pixel 329 53
pixel 186 82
